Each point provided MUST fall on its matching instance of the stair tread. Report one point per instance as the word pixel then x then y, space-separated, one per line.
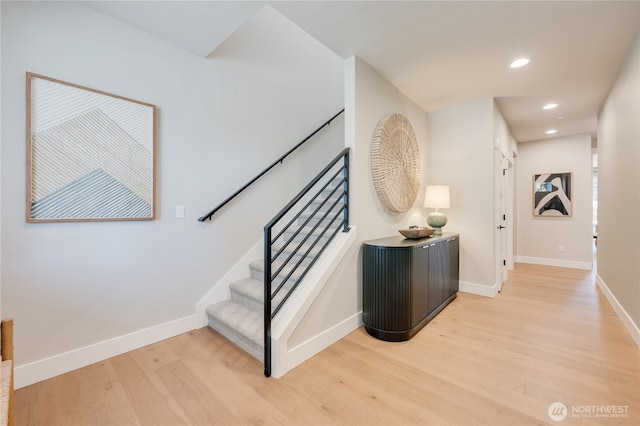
pixel 304 231
pixel 243 320
pixel 312 243
pixel 258 267
pixel 253 290
pixel 249 287
pixel 333 211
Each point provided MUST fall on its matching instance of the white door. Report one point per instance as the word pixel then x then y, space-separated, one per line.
pixel 502 211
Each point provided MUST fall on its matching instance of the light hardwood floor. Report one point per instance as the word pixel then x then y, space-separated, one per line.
pixel 550 336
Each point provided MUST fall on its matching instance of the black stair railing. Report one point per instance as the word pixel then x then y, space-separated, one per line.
pixel 262 173
pixel 296 237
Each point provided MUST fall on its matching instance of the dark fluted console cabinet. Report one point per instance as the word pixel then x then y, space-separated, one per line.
pixel 407 282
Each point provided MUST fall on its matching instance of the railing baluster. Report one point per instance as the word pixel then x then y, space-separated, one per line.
pixel 267 301
pixel 298 232
pixel 304 273
pixel 346 192
pixel 268 241
pixel 301 210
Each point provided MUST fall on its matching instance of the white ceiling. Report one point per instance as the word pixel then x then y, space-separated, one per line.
pixel 442 53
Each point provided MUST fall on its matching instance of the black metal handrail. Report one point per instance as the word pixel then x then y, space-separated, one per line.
pixel 262 173
pixel 329 214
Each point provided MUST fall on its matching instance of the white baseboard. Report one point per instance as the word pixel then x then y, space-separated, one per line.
pixel 631 326
pixel 479 289
pixel 297 355
pixel 47 368
pixel 574 264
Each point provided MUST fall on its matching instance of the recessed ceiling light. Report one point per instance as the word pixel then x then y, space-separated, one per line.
pixel 550 106
pixel 551 131
pixel 560 117
pixel 519 63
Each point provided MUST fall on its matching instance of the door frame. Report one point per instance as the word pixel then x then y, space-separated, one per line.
pixel 504 214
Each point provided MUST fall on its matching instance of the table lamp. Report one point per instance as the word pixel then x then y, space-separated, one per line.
pixel 437 197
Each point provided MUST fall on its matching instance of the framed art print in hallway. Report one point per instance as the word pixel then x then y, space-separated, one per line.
pixel 552 194
pixel 90 154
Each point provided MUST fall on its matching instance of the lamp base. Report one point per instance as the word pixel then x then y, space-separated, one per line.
pixel 437 220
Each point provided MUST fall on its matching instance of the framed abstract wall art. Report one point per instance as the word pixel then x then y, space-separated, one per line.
pixel 90 154
pixel 552 194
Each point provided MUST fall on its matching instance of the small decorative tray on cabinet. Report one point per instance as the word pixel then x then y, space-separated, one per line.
pixel 416 232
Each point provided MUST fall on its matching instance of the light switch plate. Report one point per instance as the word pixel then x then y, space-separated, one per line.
pixel 180 212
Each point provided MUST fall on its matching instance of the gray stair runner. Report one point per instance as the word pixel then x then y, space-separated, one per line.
pixel 240 319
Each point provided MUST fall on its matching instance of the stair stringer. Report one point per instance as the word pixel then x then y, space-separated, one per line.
pixel 220 291
pixel 283 357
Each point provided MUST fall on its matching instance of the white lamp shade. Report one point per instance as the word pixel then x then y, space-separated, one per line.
pixel 437 197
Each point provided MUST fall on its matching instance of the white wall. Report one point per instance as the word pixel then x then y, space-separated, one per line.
pixel 461 155
pixel 539 238
pixel 504 141
pixel 368 98
pixel 372 97
pixel 220 121
pixel 619 193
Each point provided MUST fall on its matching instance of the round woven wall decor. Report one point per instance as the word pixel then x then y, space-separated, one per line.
pixel 395 163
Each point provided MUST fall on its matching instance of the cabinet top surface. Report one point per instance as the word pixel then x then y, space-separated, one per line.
pixel 400 241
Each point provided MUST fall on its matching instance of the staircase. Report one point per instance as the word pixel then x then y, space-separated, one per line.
pixel 241 319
